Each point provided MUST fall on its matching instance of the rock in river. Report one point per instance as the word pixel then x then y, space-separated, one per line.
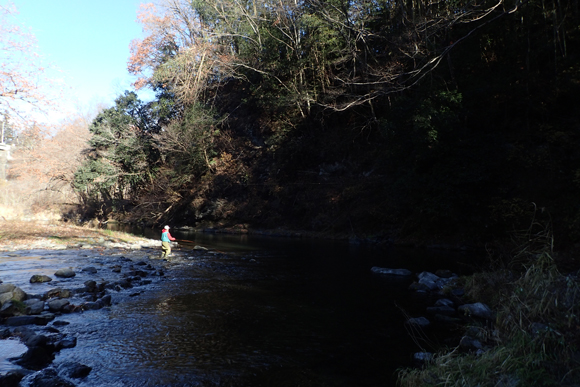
pixel 65 273
pixel 40 278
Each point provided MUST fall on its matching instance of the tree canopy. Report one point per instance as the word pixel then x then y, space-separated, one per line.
pixel 403 118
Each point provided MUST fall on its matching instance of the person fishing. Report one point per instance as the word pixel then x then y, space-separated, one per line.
pixel 165 245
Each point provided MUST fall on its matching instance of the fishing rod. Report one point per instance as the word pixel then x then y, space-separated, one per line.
pixel 184 240
pixel 197 244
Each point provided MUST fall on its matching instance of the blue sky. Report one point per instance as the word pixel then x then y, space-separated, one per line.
pixel 87 40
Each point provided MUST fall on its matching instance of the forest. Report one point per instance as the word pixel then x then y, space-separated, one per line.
pixel 450 123
pixel 407 121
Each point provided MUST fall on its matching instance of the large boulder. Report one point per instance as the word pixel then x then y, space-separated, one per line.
pixel 4 288
pixel 9 292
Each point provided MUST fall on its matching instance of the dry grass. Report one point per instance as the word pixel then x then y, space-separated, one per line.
pixel 536 332
pixel 14 232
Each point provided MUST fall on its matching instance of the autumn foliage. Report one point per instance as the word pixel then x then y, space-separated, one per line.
pixel 26 91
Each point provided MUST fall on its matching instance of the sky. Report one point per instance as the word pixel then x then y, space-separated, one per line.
pixel 88 41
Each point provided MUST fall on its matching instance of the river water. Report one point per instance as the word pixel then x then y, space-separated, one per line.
pixel 260 311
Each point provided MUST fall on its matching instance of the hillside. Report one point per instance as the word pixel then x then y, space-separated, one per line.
pixel 455 127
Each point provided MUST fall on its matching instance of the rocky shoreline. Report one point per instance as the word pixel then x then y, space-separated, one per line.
pixel 91 276
pixel 447 311
pixel 97 273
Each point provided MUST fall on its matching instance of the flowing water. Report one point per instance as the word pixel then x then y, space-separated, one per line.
pixel 259 312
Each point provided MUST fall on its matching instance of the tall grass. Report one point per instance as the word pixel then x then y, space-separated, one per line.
pixel 535 338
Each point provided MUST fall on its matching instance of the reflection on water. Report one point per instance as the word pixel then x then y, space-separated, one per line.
pixel 266 312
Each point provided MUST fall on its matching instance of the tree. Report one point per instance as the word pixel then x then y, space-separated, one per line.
pixel 120 156
pixel 42 169
pixel 179 54
pixel 25 88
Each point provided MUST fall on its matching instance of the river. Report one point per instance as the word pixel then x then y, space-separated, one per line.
pixel 260 311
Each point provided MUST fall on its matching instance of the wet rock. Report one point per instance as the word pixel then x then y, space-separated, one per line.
pixel 16 321
pixel 124 283
pixel 49 378
pixel 34 306
pixel 458 292
pixel 14 294
pixel 416 286
pixel 428 276
pixel 37 341
pixel 40 278
pixel 58 293
pixel 429 280
pixel 36 358
pixel 394 272
pixel 65 273
pixel 57 304
pixel 422 357
pixel 106 300
pixel 90 270
pixel 444 302
pixel 44 318
pixel 421 322
pixel 4 288
pixel 91 286
pixel 11 308
pixel 469 343
pixel 92 305
pixel 477 310
pixel 74 370
pixel 11 379
pixel 66 342
pixel 135 274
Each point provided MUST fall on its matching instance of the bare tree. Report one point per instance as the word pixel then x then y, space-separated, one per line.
pixel 25 88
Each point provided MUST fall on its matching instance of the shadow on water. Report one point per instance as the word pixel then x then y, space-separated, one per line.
pixel 259 311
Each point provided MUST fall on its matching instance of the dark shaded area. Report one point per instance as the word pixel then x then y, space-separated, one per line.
pixel 484 146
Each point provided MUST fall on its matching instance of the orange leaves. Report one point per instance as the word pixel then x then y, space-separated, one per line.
pixel 161 42
pixel 179 51
pixel 56 157
pixel 24 87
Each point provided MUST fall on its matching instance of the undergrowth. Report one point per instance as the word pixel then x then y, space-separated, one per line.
pixel 535 338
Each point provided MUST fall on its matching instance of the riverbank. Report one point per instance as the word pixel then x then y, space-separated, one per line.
pixel 50 273
pixel 532 337
pixel 252 316
pixel 26 235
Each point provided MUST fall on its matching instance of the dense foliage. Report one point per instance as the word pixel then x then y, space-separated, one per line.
pixel 433 120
